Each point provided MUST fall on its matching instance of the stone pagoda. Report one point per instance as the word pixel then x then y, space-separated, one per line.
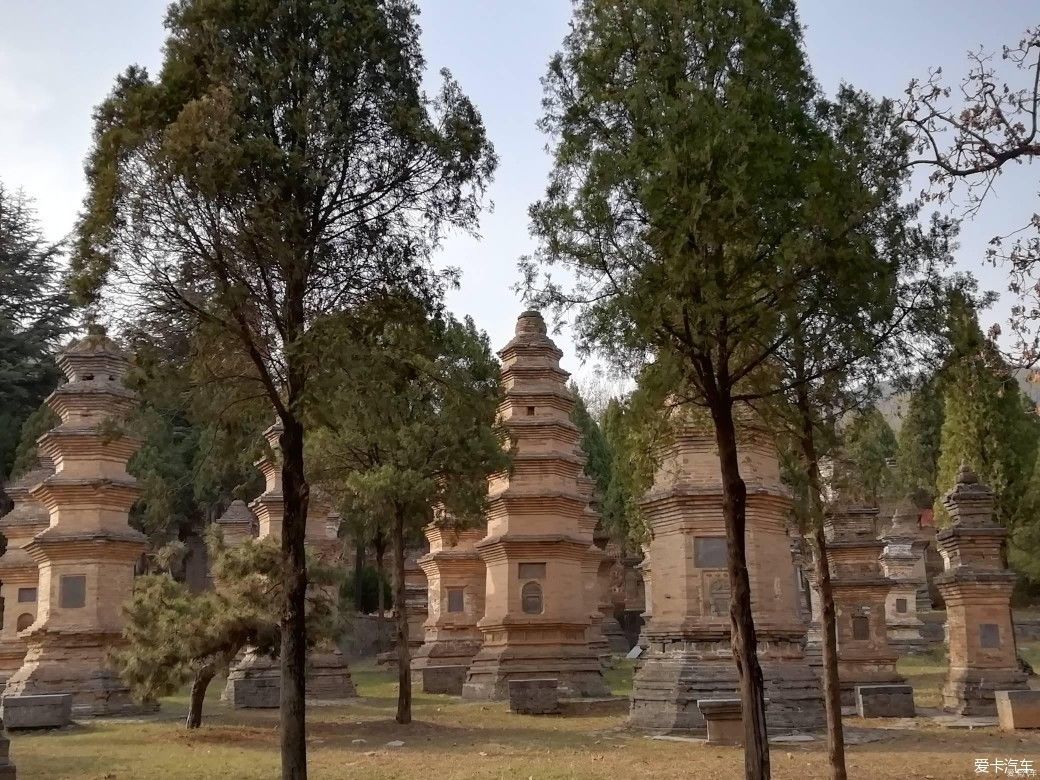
pixel 87 554
pixel 455 577
pixel 536 617
pixel 688 655
pixel 416 594
pixel 238 524
pixel 902 561
pixel 861 591
pixel 976 586
pixel 19 574
pixel 254 680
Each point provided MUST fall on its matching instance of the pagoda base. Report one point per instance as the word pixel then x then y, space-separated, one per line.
pixel 12 656
pixel 255 681
pixel 576 668
pixel 971 691
pixel 675 674
pixel 440 666
pixel 854 672
pixel 599 645
pixel 907 640
pixel 77 664
pixel 328 676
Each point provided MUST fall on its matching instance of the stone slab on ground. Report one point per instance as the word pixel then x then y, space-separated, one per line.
pixel 443 679
pixel 1018 710
pixel 536 696
pixel 724 721
pixel 885 701
pixel 50 711
pixel 253 693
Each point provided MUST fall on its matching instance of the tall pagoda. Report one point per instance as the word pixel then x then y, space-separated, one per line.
pixel 536 617
pixel 86 555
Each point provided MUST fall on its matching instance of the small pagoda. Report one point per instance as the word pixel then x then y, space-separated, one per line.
pixel 455 577
pixel 19 574
pixel 861 590
pixel 976 586
pixel 238 524
pixel 536 616
pixel 86 555
pixel 902 561
pixel 254 680
pixel 687 636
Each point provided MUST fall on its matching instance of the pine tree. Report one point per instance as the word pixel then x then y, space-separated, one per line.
pixel 34 315
pixel 988 423
pixel 174 635
pixel 917 453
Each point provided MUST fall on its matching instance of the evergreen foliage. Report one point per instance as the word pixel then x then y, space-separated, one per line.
pixel 988 423
pixel 35 313
pixel 917 453
pixel 174 635
pixel 283 166
pixel 869 450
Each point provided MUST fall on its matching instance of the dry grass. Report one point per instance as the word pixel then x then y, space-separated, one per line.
pixel 450 739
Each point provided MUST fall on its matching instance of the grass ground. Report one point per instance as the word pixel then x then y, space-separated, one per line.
pixel 450 739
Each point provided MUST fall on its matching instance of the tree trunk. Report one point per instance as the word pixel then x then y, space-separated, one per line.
pixel 198 695
pixel 831 688
pixel 404 661
pixel 293 628
pixel 359 565
pixel 380 546
pixel 742 624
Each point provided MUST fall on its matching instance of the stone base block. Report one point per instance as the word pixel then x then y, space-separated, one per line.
pixel 854 673
pixel 534 697
pixel 7 770
pixel 885 701
pixel 576 669
pixel 972 692
pixel 253 683
pixel 440 679
pixel 724 720
pixel 76 664
pixel 671 681
pixel 440 666
pixel 52 711
pixel 1018 709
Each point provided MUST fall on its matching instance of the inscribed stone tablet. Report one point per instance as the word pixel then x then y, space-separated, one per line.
pixel 455 599
pixel 73 591
pixel 709 552
pixel 860 627
pixel 989 635
pixel 531 571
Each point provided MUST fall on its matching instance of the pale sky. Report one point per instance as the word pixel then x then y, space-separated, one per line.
pixel 58 59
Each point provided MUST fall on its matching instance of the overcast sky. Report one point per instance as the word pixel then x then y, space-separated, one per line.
pixel 58 59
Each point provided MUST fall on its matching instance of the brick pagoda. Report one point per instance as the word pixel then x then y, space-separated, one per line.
pixel 861 590
pixel 455 574
pixel 976 586
pixel 902 561
pixel 19 574
pixel 688 654
pixel 86 555
pixel 536 618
